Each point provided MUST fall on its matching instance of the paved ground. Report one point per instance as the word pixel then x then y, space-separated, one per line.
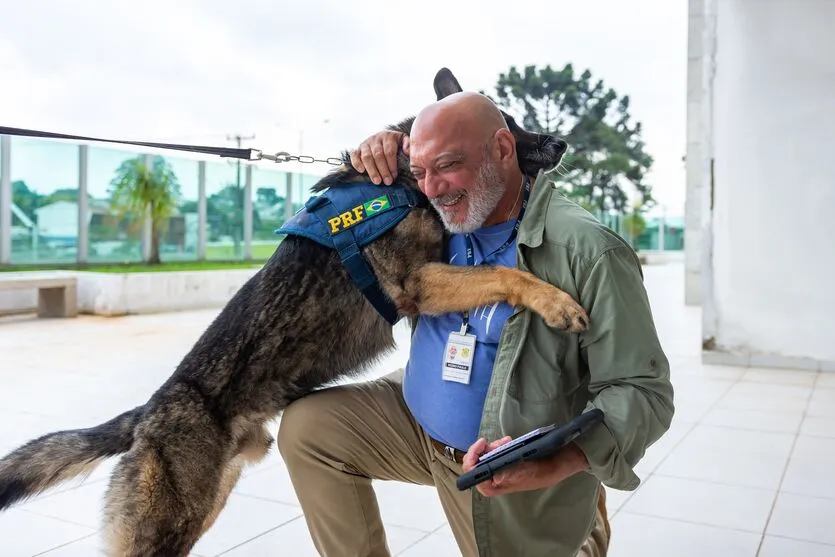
pixel 745 470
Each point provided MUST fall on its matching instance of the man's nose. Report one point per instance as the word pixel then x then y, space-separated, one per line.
pixel 433 185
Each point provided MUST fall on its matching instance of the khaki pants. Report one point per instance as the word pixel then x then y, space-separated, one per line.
pixel 335 441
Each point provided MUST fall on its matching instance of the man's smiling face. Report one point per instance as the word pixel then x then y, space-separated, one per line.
pixel 452 152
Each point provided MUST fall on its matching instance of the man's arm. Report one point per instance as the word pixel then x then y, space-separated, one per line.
pixel 630 382
pixel 630 374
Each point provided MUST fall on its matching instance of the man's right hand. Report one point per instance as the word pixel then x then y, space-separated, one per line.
pixel 377 155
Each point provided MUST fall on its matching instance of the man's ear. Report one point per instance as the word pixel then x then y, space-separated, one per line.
pixel 446 84
pixel 506 146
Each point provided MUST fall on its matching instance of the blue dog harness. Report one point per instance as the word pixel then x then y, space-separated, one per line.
pixel 350 216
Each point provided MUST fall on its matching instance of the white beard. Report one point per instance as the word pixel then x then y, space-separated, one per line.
pixel 489 188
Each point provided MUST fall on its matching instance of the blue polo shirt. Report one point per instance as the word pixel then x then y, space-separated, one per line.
pixel 449 411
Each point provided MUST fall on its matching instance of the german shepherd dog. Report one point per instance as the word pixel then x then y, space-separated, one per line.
pixel 298 324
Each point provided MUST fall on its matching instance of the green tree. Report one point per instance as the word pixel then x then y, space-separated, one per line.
pixel 25 198
pixel 634 224
pixel 605 151
pixel 138 190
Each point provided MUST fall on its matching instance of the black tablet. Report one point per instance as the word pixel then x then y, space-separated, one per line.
pixel 539 443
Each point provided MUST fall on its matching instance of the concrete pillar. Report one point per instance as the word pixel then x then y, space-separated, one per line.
pixel 288 197
pixel 146 222
pixel 83 206
pixel 5 199
pixel 202 220
pixel 247 208
pixel 698 61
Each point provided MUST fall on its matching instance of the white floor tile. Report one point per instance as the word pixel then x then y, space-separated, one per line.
pixel 634 535
pixel 25 534
pixel 727 455
pixel 243 519
pixel 616 498
pixel 822 404
pixel 410 506
pixel 295 535
pixel 778 376
pixel 82 505
pixel 803 518
pixel 700 391
pixel 773 546
pixel 439 544
pixel 766 397
pixel 90 546
pixel 734 507
pixel 657 452
pixel 810 468
pixel 755 420
pixel 693 368
pixel 818 427
pixel 271 483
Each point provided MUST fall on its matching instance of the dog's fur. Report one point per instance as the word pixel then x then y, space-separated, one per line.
pixel 299 323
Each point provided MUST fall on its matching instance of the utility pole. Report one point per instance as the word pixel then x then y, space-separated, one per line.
pixel 238 138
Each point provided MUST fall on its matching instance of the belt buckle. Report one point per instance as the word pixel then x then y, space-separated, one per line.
pixel 449 452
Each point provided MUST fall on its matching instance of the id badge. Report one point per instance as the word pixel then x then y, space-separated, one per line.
pixel 458 357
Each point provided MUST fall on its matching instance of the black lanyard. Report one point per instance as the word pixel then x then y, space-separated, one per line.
pixel 471 255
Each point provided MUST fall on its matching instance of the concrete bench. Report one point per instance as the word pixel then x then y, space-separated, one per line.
pixel 57 292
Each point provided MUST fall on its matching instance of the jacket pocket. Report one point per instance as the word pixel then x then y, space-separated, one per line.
pixel 546 371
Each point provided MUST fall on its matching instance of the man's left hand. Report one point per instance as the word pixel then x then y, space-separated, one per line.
pixel 529 475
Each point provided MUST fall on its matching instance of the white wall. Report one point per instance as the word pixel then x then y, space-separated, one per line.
pixel 772 251
pixel 699 55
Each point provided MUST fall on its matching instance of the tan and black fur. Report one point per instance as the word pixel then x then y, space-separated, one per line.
pixel 296 325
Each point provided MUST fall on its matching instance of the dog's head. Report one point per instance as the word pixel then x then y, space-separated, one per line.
pixel 535 151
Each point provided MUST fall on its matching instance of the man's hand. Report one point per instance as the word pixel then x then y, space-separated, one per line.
pixel 377 155
pixel 529 475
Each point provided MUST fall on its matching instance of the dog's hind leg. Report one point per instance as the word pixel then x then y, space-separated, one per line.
pixel 161 496
pixel 252 448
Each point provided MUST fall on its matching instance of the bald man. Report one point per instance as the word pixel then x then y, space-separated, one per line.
pixel 424 426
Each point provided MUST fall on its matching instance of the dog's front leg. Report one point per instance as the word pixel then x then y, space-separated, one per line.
pixel 440 288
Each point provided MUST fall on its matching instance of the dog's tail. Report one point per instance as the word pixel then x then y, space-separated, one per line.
pixel 60 456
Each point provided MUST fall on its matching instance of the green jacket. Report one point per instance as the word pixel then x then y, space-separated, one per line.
pixel 543 375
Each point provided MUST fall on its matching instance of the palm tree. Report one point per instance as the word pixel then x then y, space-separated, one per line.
pixel 139 190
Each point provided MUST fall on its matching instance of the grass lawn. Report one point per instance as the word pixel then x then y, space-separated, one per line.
pixel 217 258
pixel 139 267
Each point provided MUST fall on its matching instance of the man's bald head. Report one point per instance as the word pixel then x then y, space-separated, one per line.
pixel 467 113
pixel 464 158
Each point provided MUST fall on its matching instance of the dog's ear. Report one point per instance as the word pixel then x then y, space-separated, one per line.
pixel 446 84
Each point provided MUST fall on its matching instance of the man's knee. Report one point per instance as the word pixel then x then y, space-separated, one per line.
pixel 300 424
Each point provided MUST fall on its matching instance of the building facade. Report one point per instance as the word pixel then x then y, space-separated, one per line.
pixel 760 187
pixel 56 208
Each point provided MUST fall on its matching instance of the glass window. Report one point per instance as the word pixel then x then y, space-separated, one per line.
pixel 269 196
pixel 44 176
pixel 178 241
pixel 113 236
pixel 225 182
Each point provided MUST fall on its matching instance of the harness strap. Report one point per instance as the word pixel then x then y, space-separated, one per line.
pixel 349 252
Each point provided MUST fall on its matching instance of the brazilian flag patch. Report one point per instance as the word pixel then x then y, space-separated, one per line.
pixel 375 206
pixel 359 213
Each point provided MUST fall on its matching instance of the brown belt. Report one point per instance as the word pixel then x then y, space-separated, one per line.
pixel 449 452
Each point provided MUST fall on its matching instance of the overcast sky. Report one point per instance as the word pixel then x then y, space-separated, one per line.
pixel 197 70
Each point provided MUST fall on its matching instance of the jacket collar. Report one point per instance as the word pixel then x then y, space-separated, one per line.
pixel 532 227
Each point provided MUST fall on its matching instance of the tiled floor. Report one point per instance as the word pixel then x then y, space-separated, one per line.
pixel 746 469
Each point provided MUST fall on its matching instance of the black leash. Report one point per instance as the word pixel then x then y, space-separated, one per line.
pixel 224 152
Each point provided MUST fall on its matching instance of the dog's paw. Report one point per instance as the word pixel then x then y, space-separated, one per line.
pixel 559 310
